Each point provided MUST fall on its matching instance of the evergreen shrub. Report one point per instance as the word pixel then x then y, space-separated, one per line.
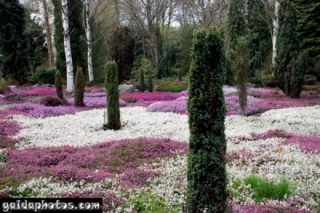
pixel 43 76
pixel 207 144
pixel 113 109
pixel 171 86
pixel 290 62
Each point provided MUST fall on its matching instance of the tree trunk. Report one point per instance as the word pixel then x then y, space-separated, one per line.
pixel 48 34
pixel 67 46
pixel 117 10
pixel 89 40
pixel 275 31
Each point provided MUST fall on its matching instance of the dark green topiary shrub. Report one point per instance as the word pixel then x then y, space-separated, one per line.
pixel 79 88
pixel 207 145
pixel 43 75
pixel 58 84
pixel 290 63
pixel 51 101
pixel 171 86
pixel 142 86
pixel 113 110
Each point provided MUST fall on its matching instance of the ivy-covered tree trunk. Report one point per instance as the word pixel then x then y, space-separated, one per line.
pixel 142 86
pixel 79 88
pixel 207 145
pixel 290 62
pixel 113 109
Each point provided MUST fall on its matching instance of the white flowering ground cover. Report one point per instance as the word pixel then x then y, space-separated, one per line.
pixel 267 157
pixel 255 145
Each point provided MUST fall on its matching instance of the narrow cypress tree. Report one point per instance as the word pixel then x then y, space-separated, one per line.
pixel 77 31
pixel 207 145
pixel 58 84
pixel 113 110
pixel 258 37
pixel 79 88
pixel 290 62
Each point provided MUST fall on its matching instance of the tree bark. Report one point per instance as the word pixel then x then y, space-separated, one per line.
pixel 67 46
pixel 275 31
pixel 89 40
pixel 48 34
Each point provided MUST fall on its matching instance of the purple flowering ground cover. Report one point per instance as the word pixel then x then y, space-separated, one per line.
pixel 90 164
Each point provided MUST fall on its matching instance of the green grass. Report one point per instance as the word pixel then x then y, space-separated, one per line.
pixel 171 86
pixel 266 189
pixel 147 202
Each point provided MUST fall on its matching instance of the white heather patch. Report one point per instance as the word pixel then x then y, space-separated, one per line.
pixel 235 145
pixel 85 128
pixel 299 120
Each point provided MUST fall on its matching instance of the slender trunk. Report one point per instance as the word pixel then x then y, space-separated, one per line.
pixel 89 40
pixel 154 48
pixel 67 46
pixel 48 34
pixel 275 31
pixel 117 10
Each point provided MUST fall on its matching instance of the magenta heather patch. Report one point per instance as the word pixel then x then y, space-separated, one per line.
pixel 150 96
pixel 37 91
pixel 96 101
pixel 137 178
pixel 169 106
pixel 38 110
pixel 92 163
pixel 275 133
pixel 241 154
pixel 8 128
pixel 233 107
pixel 310 144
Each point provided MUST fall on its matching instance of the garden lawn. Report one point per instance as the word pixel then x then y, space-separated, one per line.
pixel 273 160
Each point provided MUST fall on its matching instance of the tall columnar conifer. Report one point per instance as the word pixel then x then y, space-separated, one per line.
pixel 290 62
pixel 308 31
pixel 258 37
pixel 76 32
pixel 58 84
pixel 79 88
pixel 236 28
pixel 13 41
pixel 207 145
pixel 113 110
